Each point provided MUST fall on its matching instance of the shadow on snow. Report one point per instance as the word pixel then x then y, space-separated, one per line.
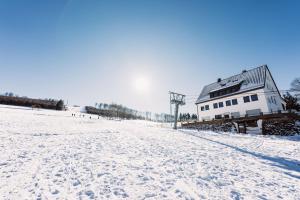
pixel 292 165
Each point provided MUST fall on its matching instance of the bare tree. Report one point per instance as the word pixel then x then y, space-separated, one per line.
pixel 291 102
pixel 295 85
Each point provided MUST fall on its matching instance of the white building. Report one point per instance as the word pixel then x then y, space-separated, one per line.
pixel 252 92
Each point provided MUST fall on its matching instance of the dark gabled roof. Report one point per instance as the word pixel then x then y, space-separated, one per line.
pixel 249 80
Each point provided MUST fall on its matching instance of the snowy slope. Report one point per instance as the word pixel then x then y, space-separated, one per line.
pixel 52 155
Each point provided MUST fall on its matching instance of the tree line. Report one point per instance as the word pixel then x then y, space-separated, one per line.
pixel 10 98
pixel 187 117
pixel 292 100
pixel 123 112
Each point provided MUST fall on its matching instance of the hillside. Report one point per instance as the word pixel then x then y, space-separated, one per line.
pixel 48 154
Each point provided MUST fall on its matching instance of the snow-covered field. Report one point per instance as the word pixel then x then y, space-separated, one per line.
pixel 52 155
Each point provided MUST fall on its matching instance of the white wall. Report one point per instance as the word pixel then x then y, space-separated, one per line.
pixel 241 107
pixel 272 97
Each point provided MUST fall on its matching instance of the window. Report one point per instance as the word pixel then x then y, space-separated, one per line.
pixel 226 91
pixel 246 99
pixel 218 116
pixel 234 101
pixel 254 97
pixel 202 108
pixel 206 107
pixel 215 105
pixel 228 103
pixel 221 105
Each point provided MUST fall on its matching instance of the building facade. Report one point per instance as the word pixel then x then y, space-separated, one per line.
pixel 252 92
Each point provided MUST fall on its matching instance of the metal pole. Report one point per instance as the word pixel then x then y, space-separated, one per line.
pixel 170 105
pixel 176 115
pixel 170 110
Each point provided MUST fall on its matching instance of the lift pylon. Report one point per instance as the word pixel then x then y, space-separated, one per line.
pixel 178 100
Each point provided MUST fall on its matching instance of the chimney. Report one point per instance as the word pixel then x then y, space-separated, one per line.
pixel 219 80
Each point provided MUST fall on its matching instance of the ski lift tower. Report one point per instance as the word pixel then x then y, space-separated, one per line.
pixel 178 100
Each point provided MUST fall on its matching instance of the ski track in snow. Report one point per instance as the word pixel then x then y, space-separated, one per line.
pixel 51 155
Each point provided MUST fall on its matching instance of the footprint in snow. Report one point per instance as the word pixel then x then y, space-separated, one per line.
pixel 120 192
pixel 3 164
pixel 90 193
pixel 77 182
pixel 102 174
pixel 235 195
pixel 55 192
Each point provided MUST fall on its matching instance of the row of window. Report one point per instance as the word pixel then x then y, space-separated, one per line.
pixel 228 103
pixel 247 99
pixel 225 91
pixel 253 97
pixel 220 104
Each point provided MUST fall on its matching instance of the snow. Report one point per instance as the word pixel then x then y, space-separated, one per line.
pixel 52 155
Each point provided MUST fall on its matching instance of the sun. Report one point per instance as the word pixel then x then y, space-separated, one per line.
pixel 141 84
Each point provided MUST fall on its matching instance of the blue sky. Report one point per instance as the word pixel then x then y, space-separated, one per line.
pixel 93 51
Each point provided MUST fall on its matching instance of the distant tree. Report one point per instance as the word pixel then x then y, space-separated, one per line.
pixel 291 102
pixel 10 94
pixel 60 105
pixel 183 117
pixel 188 116
pixel 156 117
pixel 148 115
pixel 105 106
pixel 194 116
pixel 295 85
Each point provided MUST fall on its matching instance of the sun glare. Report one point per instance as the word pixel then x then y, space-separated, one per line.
pixel 141 84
